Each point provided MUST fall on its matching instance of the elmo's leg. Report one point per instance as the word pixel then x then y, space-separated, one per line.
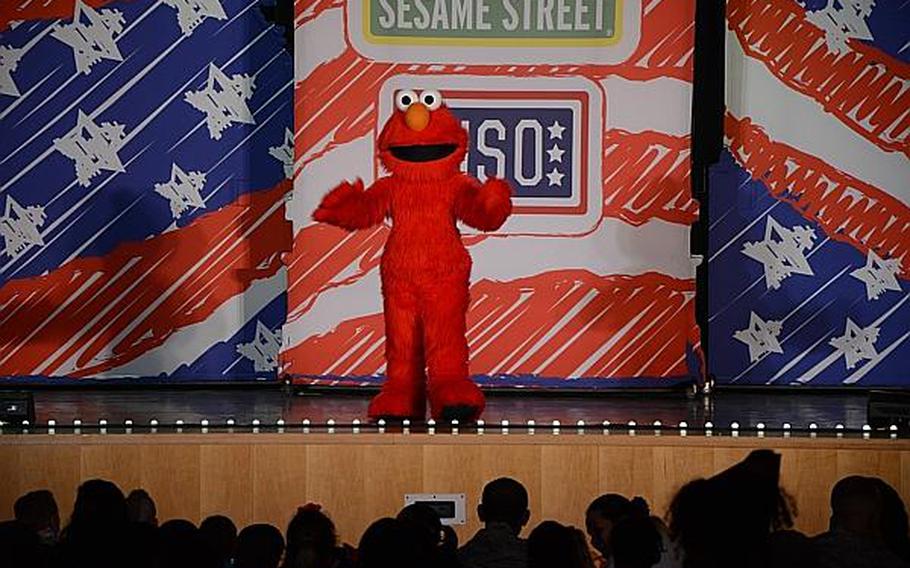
pixel 452 393
pixel 403 394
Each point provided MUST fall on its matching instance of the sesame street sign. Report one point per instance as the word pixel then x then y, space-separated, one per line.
pixel 520 31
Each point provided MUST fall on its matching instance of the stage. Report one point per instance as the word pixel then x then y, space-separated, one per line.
pixel 268 404
pixel 257 453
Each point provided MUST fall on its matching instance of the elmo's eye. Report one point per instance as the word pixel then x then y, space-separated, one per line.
pixel 432 99
pixel 404 99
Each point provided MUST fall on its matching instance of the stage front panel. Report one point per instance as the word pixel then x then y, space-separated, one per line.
pixel 586 113
pixel 809 207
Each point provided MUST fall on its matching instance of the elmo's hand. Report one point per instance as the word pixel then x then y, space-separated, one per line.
pixel 351 207
pixel 485 207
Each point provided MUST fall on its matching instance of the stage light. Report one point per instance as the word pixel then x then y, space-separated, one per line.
pixel 204 422
pixel 230 422
pixel 406 423
pixel 786 426
pixel 838 426
pixel 632 424
pixel 893 428
pixel 605 423
pixel 531 423
pixel 356 422
pixel 556 423
pixel 580 423
pixel 153 422
pixel 306 422
pixel 813 426
pixel 683 425
pixel 431 423
pixel 280 422
pixel 127 422
pixel 481 423
pixel 760 426
pixel 454 422
pixel 51 422
pixel 380 422
pixel 179 423
pixel 356 426
pixel 25 422
pixel 709 425
pixel 658 424
pixel 867 428
pixel 504 423
pixel 255 422
pixel 76 422
pixel 734 425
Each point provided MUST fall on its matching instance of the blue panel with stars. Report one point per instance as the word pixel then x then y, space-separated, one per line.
pixel 788 305
pixel 530 146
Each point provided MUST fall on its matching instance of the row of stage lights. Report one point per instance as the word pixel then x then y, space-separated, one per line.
pixel 330 426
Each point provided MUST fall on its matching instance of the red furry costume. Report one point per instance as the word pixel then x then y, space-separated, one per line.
pixel 425 267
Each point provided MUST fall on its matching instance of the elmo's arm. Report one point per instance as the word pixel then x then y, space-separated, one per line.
pixel 484 206
pixel 351 207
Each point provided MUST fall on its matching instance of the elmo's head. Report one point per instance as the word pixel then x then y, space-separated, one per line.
pixel 422 138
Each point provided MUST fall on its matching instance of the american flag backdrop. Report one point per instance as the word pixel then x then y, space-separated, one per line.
pixel 809 210
pixel 590 283
pixel 145 160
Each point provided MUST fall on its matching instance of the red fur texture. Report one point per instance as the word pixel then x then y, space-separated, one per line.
pixel 425 267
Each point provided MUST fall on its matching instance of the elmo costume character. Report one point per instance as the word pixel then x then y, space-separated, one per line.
pixel 425 267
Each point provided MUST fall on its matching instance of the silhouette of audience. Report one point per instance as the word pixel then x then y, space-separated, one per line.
pixel 140 508
pixel 553 544
pixel 740 517
pixel 855 536
pixel 37 511
pixel 504 512
pixel 258 546
pixel 219 534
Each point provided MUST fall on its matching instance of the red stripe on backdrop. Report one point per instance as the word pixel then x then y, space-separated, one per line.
pixel 558 324
pixel 13 10
pixel 138 295
pixel 646 176
pixel 848 209
pixel 307 10
pixel 863 87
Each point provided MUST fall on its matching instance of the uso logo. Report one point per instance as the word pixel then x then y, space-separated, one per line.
pixel 505 31
pixel 543 135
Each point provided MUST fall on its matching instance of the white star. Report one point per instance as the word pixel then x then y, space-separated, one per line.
pixel 191 13
pixel 93 37
pixel 760 336
pixel 556 130
pixel 20 227
pixel 284 153
pixel 223 100
pixel 878 275
pixel 784 256
pixel 182 190
pixel 556 153
pixel 555 177
pixel 93 148
pixel 263 349
pixel 9 61
pixel 856 344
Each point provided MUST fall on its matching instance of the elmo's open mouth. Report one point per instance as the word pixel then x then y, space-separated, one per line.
pixel 422 152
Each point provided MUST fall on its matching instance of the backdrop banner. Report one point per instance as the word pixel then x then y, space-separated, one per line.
pixel 809 274
pixel 145 154
pixel 584 106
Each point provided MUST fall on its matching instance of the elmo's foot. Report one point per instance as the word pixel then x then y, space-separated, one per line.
pixel 397 405
pixel 455 399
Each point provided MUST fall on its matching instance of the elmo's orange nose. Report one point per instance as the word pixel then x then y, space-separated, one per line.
pixel 417 117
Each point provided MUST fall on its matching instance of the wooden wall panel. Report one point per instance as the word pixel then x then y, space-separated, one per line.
pixel 171 474
pixel 264 478
pixel 226 481
pixel 279 482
